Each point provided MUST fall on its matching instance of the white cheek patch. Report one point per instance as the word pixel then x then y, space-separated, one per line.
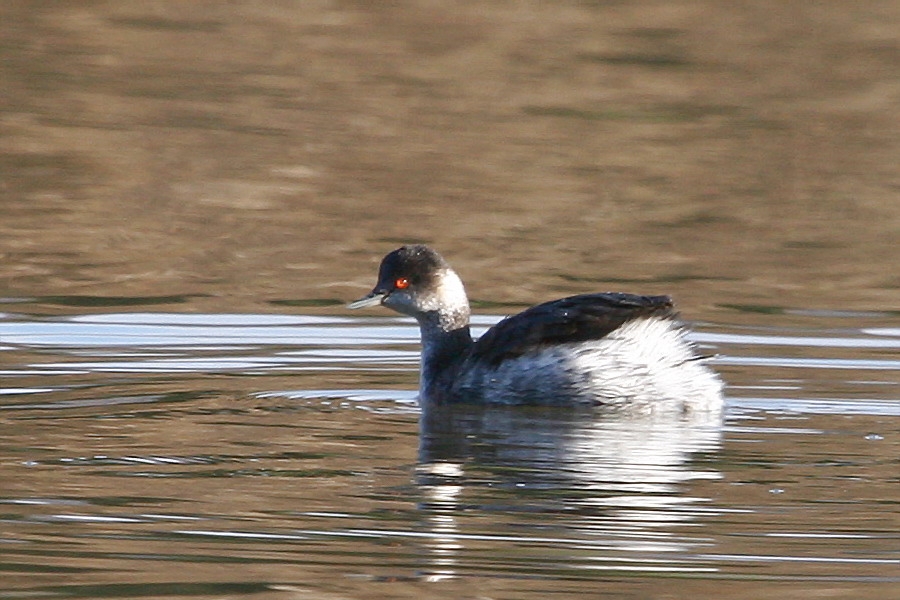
pixel 440 308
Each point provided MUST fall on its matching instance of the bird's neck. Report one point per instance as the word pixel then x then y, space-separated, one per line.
pixel 446 341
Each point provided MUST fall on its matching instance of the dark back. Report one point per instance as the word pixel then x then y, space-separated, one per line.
pixel 568 320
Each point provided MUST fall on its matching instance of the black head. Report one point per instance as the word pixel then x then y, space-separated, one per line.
pixel 417 281
pixel 415 266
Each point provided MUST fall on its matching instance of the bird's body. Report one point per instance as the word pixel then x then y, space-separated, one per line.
pixel 609 348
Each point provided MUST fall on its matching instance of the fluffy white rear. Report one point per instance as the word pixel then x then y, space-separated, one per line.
pixel 645 366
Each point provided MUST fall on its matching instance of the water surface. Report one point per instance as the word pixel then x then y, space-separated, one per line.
pixel 189 193
pixel 168 454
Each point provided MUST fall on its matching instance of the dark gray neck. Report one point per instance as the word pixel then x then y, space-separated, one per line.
pixel 446 341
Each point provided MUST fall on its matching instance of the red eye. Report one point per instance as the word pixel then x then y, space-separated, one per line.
pixel 402 283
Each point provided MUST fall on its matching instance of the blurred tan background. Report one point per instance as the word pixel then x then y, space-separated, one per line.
pixel 739 152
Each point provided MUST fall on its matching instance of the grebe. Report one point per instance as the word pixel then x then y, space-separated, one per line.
pixel 612 348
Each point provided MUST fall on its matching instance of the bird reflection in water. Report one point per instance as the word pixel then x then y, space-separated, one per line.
pixel 619 478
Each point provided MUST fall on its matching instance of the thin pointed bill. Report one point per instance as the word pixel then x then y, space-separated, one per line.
pixel 373 299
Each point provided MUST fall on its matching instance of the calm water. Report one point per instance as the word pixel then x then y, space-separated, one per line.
pixel 170 455
pixel 189 192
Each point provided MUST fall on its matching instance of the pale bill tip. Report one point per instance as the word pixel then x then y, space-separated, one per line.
pixel 372 299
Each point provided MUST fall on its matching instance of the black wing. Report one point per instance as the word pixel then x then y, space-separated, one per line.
pixel 573 319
